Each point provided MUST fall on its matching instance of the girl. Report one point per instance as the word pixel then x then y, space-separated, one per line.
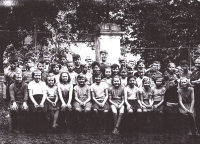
pixel 115 70
pixel 66 89
pixel 158 93
pixel 55 69
pixel 52 98
pixel 123 74
pixel 107 76
pixel 82 97
pixel 146 97
pixel 186 101
pixel 116 98
pixel 99 92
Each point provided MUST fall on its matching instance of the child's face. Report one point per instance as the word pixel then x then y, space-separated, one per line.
pixel 63 60
pixel 141 66
pixel 18 78
pixel 123 63
pixel 115 71
pixel 131 82
pixel 132 63
pixel 77 61
pixel 159 82
pixel 116 82
pixel 108 73
pixel 47 58
pixel 89 61
pixel 141 73
pixel 81 81
pixel 156 66
pixel 37 76
pixel 85 69
pixel 146 84
pixel 64 77
pixel 123 74
pixel 70 67
pixel 97 70
pixel 171 68
pixel 50 81
pixel 184 83
pixel 56 69
pixel 29 63
pixel 98 79
pixel 197 63
pixel 104 56
pixel 129 71
pixel 41 66
pixel 185 67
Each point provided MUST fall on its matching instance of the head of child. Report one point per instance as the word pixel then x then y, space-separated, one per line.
pixel 88 60
pixel 64 78
pixel 159 82
pixel 108 72
pixel 36 75
pixel 85 68
pixel 29 62
pixel 104 55
pixel 185 66
pixel 56 68
pixel 50 80
pixel 123 73
pixel 116 81
pixel 47 57
pixel 129 69
pixel 184 83
pixel 40 65
pixel 140 66
pixel 141 73
pixel 96 68
pixel 97 79
pixel 70 66
pixel 13 63
pixel 146 82
pixel 132 63
pixel 115 69
pixel 62 59
pixel 81 79
pixel 18 77
pixel 156 65
pixel 122 62
pixel 77 60
pixel 171 68
pixel 173 83
pixel 197 63
pixel 131 81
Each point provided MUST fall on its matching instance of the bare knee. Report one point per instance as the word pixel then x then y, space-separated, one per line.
pixel 139 110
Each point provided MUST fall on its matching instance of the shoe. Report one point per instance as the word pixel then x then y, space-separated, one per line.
pixel 189 133
pixel 55 125
pixel 197 134
pixel 115 131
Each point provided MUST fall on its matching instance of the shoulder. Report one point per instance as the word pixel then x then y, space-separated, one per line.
pixel 12 86
pixel 191 88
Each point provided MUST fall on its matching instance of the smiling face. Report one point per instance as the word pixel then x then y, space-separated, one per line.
pixel 56 69
pixel 147 84
pixel 50 81
pixel 115 71
pixel 104 56
pixel 81 81
pixel 18 77
pixel 98 79
pixel 37 76
pixel 108 73
pixel 131 82
pixel 116 82
pixel 197 63
pixel 184 83
pixel 64 77
pixel 172 68
pixel 159 82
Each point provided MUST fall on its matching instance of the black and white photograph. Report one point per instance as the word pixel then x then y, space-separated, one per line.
pixel 100 71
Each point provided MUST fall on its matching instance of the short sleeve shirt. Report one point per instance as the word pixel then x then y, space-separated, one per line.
pixel 73 77
pixel 158 93
pixel 52 91
pixel 145 93
pixel 65 89
pixel 99 90
pixel 82 92
pixel 116 93
pixel 37 88
pixel 131 92
pixel 186 95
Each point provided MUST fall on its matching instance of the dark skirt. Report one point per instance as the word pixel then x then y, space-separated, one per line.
pixel 134 104
pixel 160 108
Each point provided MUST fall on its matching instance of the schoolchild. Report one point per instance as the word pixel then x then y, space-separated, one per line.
pixel 77 63
pixel 29 69
pixel 116 98
pixel 73 75
pixel 87 74
pixel 107 77
pixel 123 74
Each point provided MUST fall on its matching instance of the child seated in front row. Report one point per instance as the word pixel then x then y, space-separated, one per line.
pixel 52 98
pixel 100 96
pixel 82 104
pixel 116 98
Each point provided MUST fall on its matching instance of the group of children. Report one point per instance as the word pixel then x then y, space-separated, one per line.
pixel 44 89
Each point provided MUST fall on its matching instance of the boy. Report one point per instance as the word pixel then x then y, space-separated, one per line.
pixel 87 74
pixel 104 63
pixel 77 63
pixel 115 70
pixel 89 61
pixel 153 72
pixel 29 69
pixel 73 75
pixel 122 62
pixel 63 61
pixel 47 59
pixel 186 72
